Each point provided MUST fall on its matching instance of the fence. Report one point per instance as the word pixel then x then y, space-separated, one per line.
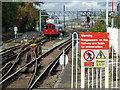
pixel 108 77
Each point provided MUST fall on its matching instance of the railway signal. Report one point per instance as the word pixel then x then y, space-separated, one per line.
pixel 88 19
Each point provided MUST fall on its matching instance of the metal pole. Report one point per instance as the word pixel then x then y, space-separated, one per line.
pixel 88 77
pixel 76 57
pixel 100 77
pixel 72 60
pixel 117 64
pixel 92 77
pixel 96 77
pixel 64 17
pixel 73 57
pixel 63 59
pixel 118 14
pixel 54 18
pixel 112 16
pixel 112 64
pixel 106 14
pixel 77 14
pixel 82 72
pixel 40 20
pixel 107 68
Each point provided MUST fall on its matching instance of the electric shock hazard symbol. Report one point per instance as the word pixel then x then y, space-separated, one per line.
pixel 100 55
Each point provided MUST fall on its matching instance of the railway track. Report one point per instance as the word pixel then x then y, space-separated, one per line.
pixel 15 59
pixel 17 62
pixel 49 69
pixel 9 54
pixel 39 64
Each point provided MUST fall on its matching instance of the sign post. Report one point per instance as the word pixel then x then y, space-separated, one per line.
pixel 63 60
pixel 94 52
pixel 15 32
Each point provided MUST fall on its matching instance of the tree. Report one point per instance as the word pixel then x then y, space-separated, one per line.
pixel 24 15
pixel 27 16
pixel 9 14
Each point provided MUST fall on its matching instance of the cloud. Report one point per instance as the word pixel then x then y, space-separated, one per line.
pixel 91 5
pixel 49 6
pixel 84 5
pixel 72 4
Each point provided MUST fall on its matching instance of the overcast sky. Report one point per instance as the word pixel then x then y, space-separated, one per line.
pixel 51 5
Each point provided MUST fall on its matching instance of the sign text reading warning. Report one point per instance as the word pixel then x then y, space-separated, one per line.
pixel 94 41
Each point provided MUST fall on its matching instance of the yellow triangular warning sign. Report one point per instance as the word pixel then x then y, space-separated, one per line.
pixel 100 55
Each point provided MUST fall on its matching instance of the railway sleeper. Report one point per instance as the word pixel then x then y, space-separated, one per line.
pixel 8 54
pixel 6 68
pixel 38 65
pixel 25 70
pixel 28 58
pixel 10 81
pixel 40 50
pixel 9 59
pixel 31 70
pixel 53 71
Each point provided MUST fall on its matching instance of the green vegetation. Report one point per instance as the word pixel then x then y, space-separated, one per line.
pixel 11 44
pixel 24 15
pixel 100 26
pixel 115 22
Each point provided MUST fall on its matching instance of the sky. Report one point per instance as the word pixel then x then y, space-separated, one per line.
pixel 76 5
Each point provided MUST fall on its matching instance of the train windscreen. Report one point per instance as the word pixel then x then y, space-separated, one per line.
pixel 46 27
pixel 53 27
pixel 49 27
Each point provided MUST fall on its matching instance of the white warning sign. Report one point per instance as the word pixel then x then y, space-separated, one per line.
pixel 95 58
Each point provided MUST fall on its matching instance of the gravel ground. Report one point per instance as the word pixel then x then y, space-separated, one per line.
pixel 57 80
pixel 46 47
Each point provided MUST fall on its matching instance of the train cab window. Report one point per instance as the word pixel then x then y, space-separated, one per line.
pixel 46 27
pixel 53 27
pixel 49 27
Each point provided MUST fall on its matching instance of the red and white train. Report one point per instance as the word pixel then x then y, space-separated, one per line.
pixel 53 29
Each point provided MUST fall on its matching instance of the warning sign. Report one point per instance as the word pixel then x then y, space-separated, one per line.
pixel 100 55
pixel 94 58
pixel 100 63
pixel 99 41
pixel 89 55
pixel 94 49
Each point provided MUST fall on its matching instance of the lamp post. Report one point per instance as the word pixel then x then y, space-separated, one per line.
pixel 112 16
pixel 64 17
pixel 40 20
pixel 106 14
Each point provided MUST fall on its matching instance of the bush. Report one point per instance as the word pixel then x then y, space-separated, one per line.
pixel 100 26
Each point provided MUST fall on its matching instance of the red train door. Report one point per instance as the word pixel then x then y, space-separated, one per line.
pixel 53 31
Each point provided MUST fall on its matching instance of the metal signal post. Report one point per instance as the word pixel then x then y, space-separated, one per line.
pixel 40 20
pixel 118 14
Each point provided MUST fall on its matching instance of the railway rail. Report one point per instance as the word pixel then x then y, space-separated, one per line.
pixel 27 66
pixel 14 59
pixel 48 69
